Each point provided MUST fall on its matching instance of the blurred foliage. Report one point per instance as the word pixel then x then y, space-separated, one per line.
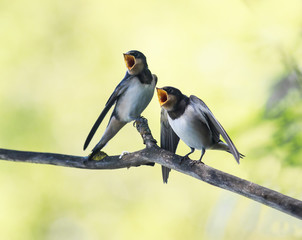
pixel 60 61
pixel 284 110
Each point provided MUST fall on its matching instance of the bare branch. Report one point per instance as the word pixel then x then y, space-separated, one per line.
pixel 109 162
pixel 153 154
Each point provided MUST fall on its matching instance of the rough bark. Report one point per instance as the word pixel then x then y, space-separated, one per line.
pixel 154 154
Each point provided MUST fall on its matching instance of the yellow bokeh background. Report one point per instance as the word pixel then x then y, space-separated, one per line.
pixel 59 63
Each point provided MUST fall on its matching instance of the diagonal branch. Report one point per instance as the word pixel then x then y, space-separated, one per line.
pixel 153 154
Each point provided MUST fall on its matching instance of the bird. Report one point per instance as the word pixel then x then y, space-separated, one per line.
pixel 131 96
pixel 190 119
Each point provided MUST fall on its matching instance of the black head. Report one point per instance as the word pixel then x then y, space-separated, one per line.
pixel 169 97
pixel 135 62
pixel 173 91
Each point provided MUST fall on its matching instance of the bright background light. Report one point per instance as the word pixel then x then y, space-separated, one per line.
pixel 61 60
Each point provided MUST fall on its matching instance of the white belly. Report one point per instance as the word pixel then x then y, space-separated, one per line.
pixel 189 129
pixel 134 100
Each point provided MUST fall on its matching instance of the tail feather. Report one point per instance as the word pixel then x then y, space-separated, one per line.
pixel 165 173
pixel 112 129
pixel 224 147
pixel 96 125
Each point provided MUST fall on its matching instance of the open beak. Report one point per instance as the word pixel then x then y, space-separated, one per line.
pixel 162 96
pixel 129 60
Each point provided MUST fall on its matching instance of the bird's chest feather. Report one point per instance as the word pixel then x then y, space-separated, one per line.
pixel 135 99
pixel 191 129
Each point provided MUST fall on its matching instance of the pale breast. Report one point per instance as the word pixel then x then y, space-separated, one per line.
pixel 191 128
pixel 134 100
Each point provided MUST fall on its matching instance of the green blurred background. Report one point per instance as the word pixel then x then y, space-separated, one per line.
pixel 59 63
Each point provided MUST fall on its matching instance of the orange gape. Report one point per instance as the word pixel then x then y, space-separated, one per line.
pixel 129 60
pixel 162 96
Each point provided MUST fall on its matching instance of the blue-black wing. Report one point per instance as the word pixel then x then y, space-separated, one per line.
pixel 168 140
pixel 118 91
pixel 214 125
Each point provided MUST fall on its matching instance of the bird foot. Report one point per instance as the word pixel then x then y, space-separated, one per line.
pixel 138 120
pixel 184 158
pixel 193 162
pixel 123 154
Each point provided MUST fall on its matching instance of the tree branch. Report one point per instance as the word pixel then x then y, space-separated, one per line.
pixel 153 154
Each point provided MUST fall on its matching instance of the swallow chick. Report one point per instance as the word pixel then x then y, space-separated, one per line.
pixel 189 119
pixel 131 96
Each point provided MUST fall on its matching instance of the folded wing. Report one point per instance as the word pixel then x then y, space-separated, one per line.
pixel 215 126
pixel 120 89
pixel 168 140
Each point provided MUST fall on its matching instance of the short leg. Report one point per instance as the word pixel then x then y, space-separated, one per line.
pixel 202 153
pixel 139 119
pixel 199 161
pixel 187 155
